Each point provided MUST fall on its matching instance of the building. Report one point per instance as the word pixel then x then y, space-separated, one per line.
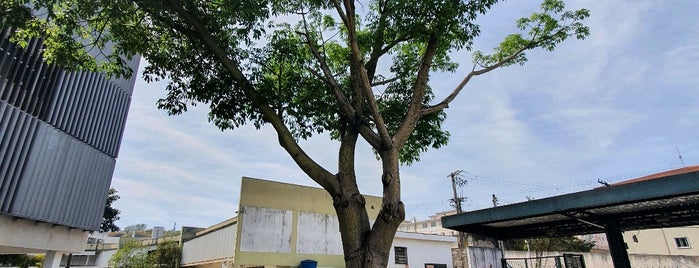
pixel 664 241
pixel 212 247
pixel 282 225
pixel 433 225
pixel 96 253
pixel 59 139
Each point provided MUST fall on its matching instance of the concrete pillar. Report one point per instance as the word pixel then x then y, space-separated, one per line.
pixel 52 259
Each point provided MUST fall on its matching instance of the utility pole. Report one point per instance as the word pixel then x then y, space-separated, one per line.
pixel 460 181
pixel 457 180
pixel 501 244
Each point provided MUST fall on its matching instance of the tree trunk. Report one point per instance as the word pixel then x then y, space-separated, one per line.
pixel 364 245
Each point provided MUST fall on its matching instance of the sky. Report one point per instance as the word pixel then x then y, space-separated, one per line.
pixel 619 105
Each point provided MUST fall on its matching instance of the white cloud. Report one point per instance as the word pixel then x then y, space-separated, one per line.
pixel 596 128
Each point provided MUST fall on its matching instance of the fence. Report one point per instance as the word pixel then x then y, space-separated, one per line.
pixel 560 261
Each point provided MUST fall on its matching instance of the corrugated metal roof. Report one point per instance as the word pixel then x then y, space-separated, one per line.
pixel 667 199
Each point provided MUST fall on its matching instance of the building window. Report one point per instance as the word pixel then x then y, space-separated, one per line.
pixel 433 224
pixel 424 225
pixel 682 242
pixel 401 255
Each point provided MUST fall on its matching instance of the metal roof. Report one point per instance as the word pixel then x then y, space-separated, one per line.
pixel 667 199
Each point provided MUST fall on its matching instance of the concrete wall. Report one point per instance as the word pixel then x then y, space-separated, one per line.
pixel 604 260
pixel 282 224
pixel 25 236
pixel 662 241
pixel 422 249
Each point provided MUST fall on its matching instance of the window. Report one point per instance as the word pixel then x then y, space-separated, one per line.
pixel 424 225
pixel 682 242
pixel 634 238
pixel 433 224
pixel 401 255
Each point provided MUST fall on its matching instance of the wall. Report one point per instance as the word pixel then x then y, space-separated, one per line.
pixel 282 224
pixel 662 241
pixel 422 249
pixel 216 245
pixel 604 260
pixel 25 236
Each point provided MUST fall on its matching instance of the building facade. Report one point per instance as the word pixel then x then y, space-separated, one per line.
pixel 59 139
pixel 433 225
pixel 284 225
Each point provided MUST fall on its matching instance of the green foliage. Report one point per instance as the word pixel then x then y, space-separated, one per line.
pixel 560 244
pixel 131 254
pixel 543 30
pixel 348 68
pixel 20 260
pixel 167 255
pixel 110 214
pixel 278 68
pixel 135 255
pixel 136 227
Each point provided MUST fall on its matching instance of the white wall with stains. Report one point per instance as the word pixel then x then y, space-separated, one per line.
pixel 266 230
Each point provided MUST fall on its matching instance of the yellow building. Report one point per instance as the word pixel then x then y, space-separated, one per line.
pixel 665 241
pixel 281 225
pixel 284 224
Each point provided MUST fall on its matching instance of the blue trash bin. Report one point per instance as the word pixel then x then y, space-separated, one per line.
pixel 308 264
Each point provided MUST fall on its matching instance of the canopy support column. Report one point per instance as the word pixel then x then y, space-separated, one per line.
pixel 617 247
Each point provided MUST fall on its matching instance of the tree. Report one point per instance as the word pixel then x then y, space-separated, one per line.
pixel 323 73
pixel 134 254
pixel 167 255
pixel 547 244
pixel 136 227
pixel 111 214
pixel 131 254
pixel 20 260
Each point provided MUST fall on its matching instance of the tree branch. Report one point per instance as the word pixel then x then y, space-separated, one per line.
pixel 342 15
pixel 345 106
pixel 445 103
pixel 362 80
pixel 419 88
pixel 316 172
pixel 376 46
pixel 385 81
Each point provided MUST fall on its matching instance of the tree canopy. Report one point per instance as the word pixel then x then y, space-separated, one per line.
pixel 111 214
pixel 250 67
pixel 350 69
pixel 134 254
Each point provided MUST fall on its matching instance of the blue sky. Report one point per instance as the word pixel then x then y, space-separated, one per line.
pixel 615 106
